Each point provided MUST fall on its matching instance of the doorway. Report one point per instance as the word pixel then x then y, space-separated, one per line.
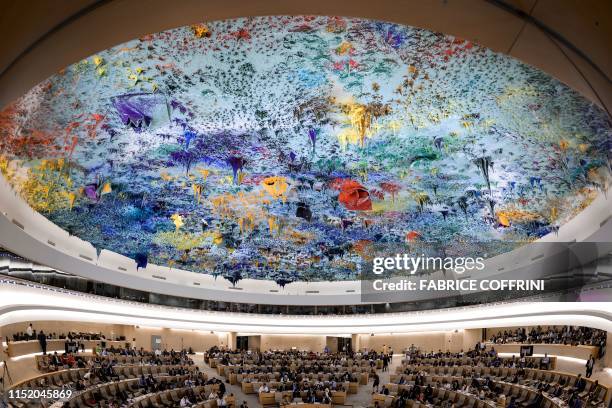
pixel 242 343
pixel 156 342
pixel 344 344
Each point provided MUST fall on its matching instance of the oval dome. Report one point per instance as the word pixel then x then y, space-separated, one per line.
pixel 296 148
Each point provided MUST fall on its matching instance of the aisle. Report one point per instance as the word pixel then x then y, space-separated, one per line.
pixel 363 398
pixel 251 399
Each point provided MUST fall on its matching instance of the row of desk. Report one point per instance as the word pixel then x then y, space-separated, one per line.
pixel 20 348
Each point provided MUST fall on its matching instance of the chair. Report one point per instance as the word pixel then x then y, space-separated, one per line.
pixel 587 389
pixel 555 379
pixel 570 383
pixel 523 395
pixel 104 393
pixel 56 380
pixel 174 395
pixel 439 396
pixel 529 401
pixel 66 377
pixel 599 396
pixel 470 403
pixel 113 389
pixel 156 401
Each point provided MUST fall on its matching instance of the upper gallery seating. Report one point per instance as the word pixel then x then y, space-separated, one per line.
pixel 552 335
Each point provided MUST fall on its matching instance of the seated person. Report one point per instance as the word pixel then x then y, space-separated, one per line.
pixel 80 385
pixel 545 362
pixel 185 402
pixel 580 383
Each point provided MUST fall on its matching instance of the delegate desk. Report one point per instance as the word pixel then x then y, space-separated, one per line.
pixel 20 348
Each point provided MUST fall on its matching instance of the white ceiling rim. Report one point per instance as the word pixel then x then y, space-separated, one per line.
pixel 22 304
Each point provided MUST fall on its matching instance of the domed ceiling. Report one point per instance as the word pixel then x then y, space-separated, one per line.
pixel 289 148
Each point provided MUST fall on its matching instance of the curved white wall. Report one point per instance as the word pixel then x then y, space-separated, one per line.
pixel 35 303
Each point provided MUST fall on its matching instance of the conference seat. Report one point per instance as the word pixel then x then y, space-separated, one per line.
pixel 66 377
pixel 156 401
pixel 555 380
pixel 522 396
pixel 103 391
pixel 114 389
pixel 57 380
pixel 532 397
pixel 570 384
pixel 90 400
pixel 439 396
pixel 529 377
pixel 504 373
pixel 598 397
pixel 587 390
pixel 125 374
pixel 470 403
pixel 175 396
pixel 122 386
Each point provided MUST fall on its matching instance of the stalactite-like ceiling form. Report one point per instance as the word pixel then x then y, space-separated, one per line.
pixel 295 148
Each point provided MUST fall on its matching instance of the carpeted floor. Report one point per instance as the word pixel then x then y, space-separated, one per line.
pixel 363 398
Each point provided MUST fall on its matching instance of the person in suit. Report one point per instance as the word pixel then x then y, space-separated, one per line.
pixel 590 364
pixel 376 383
pixel 537 401
pixel 42 339
pixel 580 384
pixel 545 362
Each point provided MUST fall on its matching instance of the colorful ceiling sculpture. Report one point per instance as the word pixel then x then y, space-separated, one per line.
pixel 287 148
